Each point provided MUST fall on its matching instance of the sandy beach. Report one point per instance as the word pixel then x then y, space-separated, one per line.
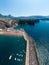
pixel 10 33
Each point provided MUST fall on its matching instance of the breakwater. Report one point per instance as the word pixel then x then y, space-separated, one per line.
pixel 31 54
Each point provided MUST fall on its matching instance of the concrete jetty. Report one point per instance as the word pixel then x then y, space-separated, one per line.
pixel 31 54
pixel 26 37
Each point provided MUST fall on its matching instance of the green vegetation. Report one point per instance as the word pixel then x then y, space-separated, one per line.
pixel 28 21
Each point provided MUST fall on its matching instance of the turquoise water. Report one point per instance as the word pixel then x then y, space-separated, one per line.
pixel 40 32
pixel 12 50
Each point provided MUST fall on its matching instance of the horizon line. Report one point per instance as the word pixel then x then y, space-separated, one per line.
pixel 22 15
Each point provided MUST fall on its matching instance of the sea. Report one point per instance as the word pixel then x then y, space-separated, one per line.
pixel 13 49
pixel 40 33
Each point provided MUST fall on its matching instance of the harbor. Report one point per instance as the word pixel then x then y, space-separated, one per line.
pixel 31 54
